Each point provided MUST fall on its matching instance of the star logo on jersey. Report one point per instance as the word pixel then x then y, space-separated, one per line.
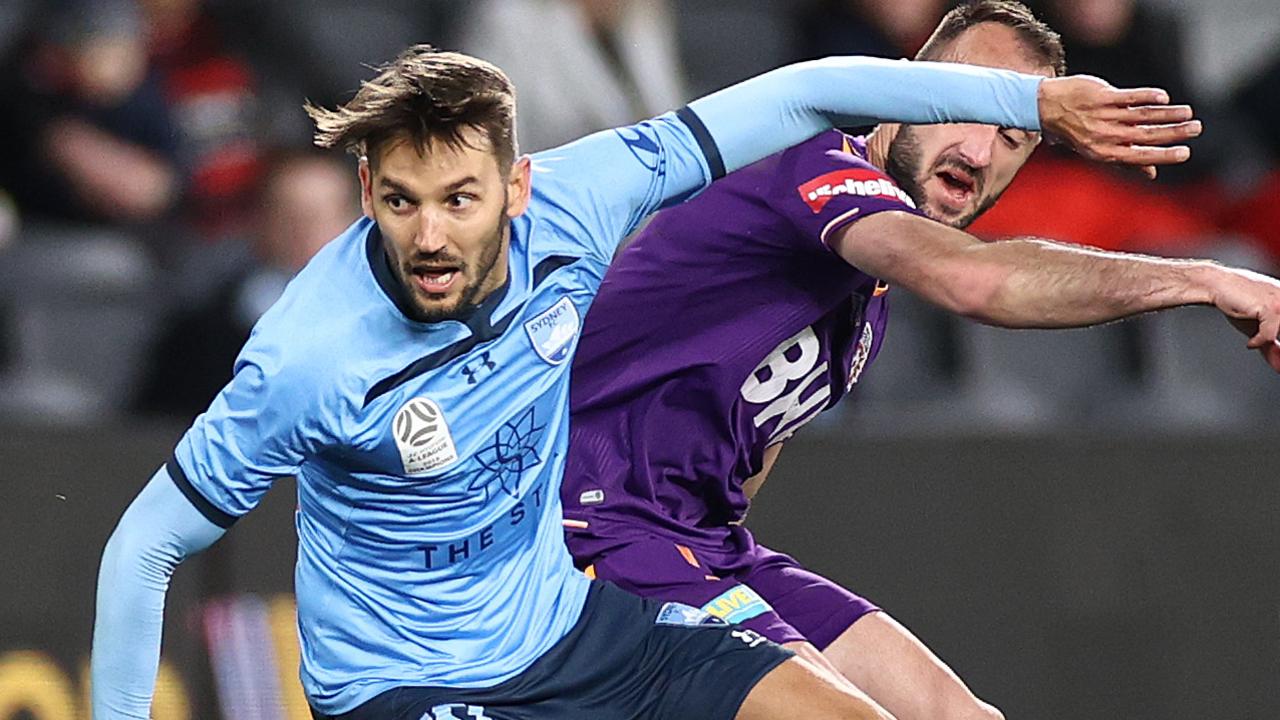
pixel 514 449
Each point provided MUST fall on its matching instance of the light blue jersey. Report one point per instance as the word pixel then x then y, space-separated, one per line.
pixel 429 455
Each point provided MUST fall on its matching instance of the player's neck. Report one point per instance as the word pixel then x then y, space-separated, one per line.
pixel 878 144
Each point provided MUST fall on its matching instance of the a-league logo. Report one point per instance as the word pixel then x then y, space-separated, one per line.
pixel 423 437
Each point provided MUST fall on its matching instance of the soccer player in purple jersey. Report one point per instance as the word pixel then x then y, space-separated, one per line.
pixel 734 319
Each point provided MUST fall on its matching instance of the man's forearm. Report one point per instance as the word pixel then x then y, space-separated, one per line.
pixel 778 109
pixel 157 532
pixel 1029 283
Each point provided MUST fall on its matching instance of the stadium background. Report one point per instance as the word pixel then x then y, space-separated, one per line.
pixel 1082 523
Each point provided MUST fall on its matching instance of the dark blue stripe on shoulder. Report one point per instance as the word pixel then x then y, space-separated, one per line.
pixel 710 150
pixel 481 332
pixel 549 265
pixel 201 503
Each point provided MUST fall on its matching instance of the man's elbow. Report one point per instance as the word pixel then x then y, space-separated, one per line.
pixel 135 550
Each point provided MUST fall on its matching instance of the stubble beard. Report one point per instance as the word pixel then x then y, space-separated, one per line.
pixel 469 298
pixel 903 162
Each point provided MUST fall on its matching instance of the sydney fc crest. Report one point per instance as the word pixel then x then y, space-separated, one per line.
pixel 423 437
pixel 552 331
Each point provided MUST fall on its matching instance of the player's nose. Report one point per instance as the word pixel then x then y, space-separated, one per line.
pixel 977 143
pixel 431 232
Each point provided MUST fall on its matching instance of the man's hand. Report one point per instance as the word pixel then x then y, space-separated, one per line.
pixel 1252 303
pixel 1130 127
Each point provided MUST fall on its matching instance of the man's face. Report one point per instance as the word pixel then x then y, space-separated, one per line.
pixel 956 172
pixel 445 216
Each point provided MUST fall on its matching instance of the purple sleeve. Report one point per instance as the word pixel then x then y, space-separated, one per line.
pixel 825 183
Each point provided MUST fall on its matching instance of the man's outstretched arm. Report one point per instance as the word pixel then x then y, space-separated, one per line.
pixel 617 177
pixel 780 108
pixel 1030 283
pixel 160 529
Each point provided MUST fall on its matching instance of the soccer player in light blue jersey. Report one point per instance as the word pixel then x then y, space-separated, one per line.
pixel 414 378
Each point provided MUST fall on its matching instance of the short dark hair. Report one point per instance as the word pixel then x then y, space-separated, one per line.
pixel 427 95
pixel 1038 36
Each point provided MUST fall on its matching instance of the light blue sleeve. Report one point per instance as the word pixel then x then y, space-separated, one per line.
pixel 597 189
pixel 260 427
pixel 783 107
pixel 160 529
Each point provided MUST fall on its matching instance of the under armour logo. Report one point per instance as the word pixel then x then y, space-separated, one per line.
pixel 473 367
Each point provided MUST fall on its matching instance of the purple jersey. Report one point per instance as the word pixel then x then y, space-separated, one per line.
pixel 725 326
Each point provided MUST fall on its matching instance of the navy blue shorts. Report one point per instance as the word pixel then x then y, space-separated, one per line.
pixel 626 658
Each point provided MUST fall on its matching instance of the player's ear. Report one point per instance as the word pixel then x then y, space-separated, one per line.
pixel 519 186
pixel 366 187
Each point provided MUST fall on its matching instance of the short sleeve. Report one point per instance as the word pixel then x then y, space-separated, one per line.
pixel 261 426
pixel 825 183
pixel 599 188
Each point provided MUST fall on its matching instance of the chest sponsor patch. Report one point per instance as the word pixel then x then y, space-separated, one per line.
pixel 737 604
pixel 553 330
pixel 852 181
pixel 423 437
pixel 674 613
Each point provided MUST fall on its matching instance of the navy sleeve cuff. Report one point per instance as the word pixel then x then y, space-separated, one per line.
pixel 715 163
pixel 201 503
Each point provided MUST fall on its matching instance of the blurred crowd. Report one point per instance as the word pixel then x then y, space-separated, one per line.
pixel 158 187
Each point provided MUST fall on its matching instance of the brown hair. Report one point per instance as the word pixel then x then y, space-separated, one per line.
pixel 1038 36
pixel 425 95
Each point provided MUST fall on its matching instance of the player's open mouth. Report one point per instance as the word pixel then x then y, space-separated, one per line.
pixel 957 185
pixel 435 280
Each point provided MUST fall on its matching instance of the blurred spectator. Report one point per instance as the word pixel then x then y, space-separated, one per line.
pixel 211 96
pixel 321 49
pixel 1092 206
pixel 868 27
pixel 1259 102
pixel 86 133
pixel 1134 45
pixel 1257 215
pixel 1127 42
pixel 306 200
pixel 578 65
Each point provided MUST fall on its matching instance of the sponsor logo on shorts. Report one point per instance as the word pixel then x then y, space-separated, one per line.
pixel 674 613
pixel 852 181
pixel 423 437
pixel 750 637
pixel 737 604
pixel 552 331
pixel 455 711
pixel 591 497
